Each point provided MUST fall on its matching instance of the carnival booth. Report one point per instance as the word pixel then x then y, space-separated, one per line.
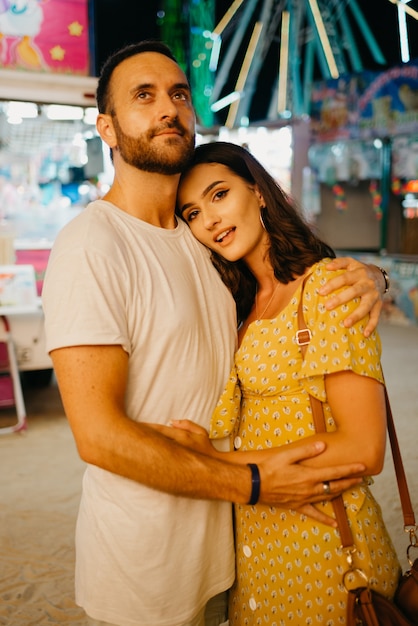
pixel 50 155
pixel 364 163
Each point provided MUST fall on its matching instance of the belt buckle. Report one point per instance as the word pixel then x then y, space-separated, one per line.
pixel 303 336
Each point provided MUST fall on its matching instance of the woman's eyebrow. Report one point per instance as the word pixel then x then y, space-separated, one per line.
pixel 203 194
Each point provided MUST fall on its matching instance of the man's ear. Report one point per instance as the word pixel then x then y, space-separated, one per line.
pixel 105 128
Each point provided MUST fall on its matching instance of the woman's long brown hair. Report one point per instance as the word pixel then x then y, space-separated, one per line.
pixel 293 245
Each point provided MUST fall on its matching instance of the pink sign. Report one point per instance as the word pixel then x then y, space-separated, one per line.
pixel 45 35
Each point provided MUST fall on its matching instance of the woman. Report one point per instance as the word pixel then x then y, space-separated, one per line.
pixel 289 566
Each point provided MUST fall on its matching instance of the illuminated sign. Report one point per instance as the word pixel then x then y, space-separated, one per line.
pixel 45 35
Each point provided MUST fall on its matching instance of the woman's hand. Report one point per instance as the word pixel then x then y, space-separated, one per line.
pixel 311 511
pixel 363 281
pixel 189 435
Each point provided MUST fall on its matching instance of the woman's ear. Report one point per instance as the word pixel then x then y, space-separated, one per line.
pixel 259 196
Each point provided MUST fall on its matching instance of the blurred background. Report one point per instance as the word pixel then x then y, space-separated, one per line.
pixel 323 92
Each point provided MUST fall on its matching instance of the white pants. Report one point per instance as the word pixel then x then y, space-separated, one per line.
pixel 214 614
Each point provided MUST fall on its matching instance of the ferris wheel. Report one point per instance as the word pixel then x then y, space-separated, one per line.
pixel 306 37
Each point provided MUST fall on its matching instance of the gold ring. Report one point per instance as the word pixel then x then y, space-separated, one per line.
pixel 326 487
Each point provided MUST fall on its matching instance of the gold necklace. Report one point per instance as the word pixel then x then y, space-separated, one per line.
pixel 268 303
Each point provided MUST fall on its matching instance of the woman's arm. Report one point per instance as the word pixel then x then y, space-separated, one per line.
pixel 358 407
pixel 92 382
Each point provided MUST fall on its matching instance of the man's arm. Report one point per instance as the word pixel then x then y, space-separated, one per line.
pixel 92 382
pixel 364 281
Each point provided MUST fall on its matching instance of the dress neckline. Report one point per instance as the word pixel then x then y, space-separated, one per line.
pixel 269 320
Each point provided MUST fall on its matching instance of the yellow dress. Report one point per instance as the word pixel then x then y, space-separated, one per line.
pixel 290 567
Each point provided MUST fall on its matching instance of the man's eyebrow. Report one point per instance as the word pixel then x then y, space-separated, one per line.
pixel 184 86
pixel 143 86
pixel 203 194
pixel 175 86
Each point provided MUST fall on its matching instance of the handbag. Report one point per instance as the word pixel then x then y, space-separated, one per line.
pixel 365 606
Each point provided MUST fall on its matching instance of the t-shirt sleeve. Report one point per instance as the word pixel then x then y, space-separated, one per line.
pixel 83 300
pixel 333 347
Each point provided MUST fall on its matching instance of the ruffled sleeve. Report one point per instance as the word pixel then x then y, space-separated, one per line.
pixel 334 348
pixel 227 411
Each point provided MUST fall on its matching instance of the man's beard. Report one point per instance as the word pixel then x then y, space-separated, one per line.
pixel 171 158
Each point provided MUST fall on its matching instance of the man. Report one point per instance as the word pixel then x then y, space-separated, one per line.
pixel 141 330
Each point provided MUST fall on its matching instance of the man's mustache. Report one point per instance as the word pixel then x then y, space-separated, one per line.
pixel 168 125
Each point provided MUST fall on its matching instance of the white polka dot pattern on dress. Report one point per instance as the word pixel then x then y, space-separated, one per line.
pixel 289 567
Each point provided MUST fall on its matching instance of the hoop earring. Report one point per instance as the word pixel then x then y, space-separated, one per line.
pixel 261 217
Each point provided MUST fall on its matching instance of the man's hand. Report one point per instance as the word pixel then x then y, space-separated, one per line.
pixel 286 482
pixel 364 281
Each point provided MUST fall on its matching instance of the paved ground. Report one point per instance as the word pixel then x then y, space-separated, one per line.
pixel 40 478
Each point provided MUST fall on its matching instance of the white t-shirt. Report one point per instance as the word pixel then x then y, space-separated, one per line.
pixel 145 557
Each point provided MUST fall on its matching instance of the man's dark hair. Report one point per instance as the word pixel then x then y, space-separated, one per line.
pixel 148 45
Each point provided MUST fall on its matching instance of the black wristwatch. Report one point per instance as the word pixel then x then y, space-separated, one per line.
pixel 386 279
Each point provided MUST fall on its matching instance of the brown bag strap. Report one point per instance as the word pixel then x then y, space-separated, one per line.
pixel 407 510
pixel 303 339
